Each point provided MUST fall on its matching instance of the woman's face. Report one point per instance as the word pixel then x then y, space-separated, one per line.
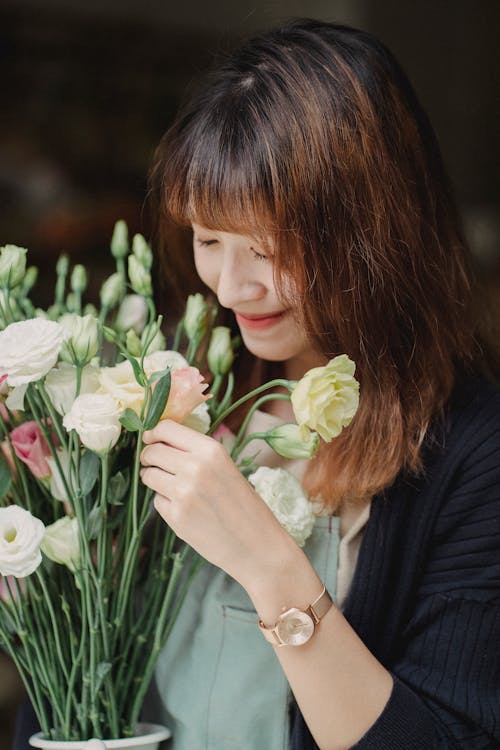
pixel 240 273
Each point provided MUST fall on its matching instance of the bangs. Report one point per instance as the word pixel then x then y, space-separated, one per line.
pixel 221 174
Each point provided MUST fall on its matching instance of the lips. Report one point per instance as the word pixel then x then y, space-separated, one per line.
pixel 257 322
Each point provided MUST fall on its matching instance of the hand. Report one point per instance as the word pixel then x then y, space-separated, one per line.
pixel 204 498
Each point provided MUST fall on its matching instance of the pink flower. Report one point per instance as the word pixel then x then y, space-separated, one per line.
pixel 186 393
pixel 31 447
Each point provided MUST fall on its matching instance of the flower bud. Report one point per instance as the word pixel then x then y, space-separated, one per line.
pixel 292 441
pixel 142 251
pixel 12 265
pixel 140 278
pixel 29 280
pixel 82 338
pixel 61 544
pixel 78 279
pixel 133 343
pixel 157 344
pixel 195 317
pixel 90 309
pixel 62 266
pixel 220 353
pixel 112 290
pixel 132 313
pixel 119 240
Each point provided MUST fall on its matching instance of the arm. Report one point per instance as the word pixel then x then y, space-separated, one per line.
pixel 204 498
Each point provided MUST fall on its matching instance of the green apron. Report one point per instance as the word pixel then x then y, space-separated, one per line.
pixel 219 685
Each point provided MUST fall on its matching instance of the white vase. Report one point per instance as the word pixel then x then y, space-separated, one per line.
pixel 148 737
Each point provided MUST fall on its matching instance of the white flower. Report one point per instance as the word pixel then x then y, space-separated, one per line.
pixel 132 313
pixel 284 495
pixel 96 419
pixel 81 338
pixel 20 538
pixel 60 384
pixel 61 543
pixel 29 349
pixel 57 486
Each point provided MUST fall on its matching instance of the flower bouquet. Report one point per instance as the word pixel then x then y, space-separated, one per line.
pixel 91 578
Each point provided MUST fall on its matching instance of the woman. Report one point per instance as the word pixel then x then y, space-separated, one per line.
pixel 322 220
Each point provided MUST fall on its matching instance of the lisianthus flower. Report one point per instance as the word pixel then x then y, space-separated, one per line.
pixel 61 544
pixel 186 393
pixel 20 537
pixel 326 398
pixel 96 419
pixel 29 349
pixel 60 384
pixel 292 441
pixel 31 448
pixel 284 495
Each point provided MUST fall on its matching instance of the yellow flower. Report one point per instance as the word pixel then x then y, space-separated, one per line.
pixel 326 398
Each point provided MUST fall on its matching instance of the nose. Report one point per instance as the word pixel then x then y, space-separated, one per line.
pixel 237 281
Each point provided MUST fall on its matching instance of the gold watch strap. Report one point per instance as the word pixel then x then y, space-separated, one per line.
pixel 320 606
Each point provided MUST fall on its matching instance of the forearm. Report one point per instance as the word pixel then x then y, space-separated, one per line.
pixel 340 687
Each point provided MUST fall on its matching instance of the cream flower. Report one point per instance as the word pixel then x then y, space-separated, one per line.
pixel 20 538
pixel 60 384
pixel 96 419
pixel 284 495
pixel 120 383
pixel 29 349
pixel 326 398
pixel 61 543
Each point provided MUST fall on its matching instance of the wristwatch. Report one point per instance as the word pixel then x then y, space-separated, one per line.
pixel 296 626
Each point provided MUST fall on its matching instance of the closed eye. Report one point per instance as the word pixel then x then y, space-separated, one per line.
pixel 205 243
pixel 258 256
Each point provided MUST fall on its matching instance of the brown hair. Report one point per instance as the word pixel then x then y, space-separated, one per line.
pixel 311 135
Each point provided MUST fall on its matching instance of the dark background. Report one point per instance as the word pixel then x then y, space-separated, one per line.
pixel 89 86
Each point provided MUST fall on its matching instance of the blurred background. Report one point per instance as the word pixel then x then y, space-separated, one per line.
pixel 89 86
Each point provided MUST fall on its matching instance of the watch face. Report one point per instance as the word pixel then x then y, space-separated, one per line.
pixel 295 627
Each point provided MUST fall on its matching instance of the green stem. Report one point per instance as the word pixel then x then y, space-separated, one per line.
pixel 278 382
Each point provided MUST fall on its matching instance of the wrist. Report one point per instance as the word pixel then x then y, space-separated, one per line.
pixel 288 581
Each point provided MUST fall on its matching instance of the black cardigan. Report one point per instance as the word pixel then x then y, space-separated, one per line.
pixel 425 597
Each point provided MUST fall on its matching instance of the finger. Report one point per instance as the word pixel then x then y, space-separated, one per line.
pixel 163 456
pixel 175 434
pixel 162 505
pixel 158 480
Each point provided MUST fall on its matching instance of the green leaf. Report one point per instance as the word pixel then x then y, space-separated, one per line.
pixel 118 486
pixel 138 371
pixel 89 471
pixel 5 476
pixel 131 420
pixel 93 523
pixel 158 401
